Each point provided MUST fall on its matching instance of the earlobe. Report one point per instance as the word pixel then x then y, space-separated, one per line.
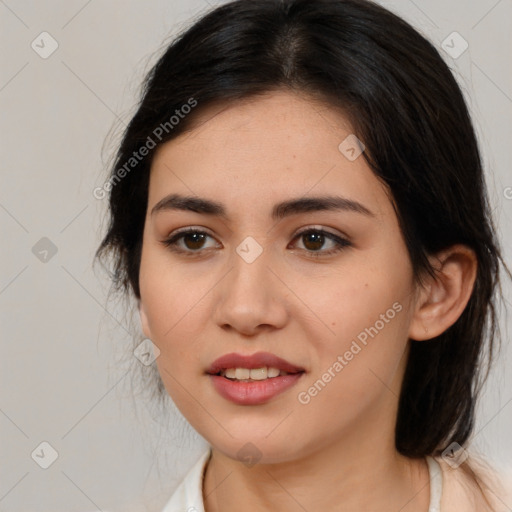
pixel 144 320
pixel 442 299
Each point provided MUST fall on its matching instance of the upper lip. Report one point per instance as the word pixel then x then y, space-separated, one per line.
pixel 257 360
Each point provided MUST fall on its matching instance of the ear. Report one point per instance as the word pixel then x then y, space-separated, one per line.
pixel 144 320
pixel 441 300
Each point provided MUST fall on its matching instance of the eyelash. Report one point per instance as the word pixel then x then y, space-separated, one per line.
pixel 341 243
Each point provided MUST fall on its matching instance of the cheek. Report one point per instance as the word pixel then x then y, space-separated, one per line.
pixel 365 316
pixel 168 291
pixel 358 368
pixel 174 309
pixel 344 303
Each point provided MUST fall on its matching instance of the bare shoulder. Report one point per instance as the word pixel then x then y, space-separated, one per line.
pixel 475 486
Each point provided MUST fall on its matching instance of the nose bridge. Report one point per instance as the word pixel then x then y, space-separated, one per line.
pixel 250 273
pixel 249 295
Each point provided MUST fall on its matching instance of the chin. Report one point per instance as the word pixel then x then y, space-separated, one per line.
pixel 252 450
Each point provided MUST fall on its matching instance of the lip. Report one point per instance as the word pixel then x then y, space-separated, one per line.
pixel 253 393
pixel 257 360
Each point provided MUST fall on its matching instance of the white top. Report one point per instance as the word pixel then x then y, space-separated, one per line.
pixel 188 497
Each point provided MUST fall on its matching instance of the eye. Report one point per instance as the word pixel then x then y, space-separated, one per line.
pixel 193 241
pixel 314 239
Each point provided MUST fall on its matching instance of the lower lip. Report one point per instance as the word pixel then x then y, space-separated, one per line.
pixel 253 393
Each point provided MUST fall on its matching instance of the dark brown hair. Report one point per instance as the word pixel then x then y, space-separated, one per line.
pixel 405 105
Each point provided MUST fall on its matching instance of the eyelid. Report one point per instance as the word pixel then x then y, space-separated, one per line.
pixel 341 241
pixel 188 229
pixel 170 242
pixel 317 227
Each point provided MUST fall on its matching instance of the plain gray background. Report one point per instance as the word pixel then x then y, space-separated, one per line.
pixel 61 380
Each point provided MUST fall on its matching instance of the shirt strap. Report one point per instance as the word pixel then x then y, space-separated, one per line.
pixel 436 484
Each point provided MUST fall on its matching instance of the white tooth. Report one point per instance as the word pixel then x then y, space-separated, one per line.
pixel 272 372
pixel 253 374
pixel 242 373
pixel 230 373
pixel 259 373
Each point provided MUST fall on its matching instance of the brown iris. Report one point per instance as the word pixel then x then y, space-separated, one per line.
pixel 197 240
pixel 316 240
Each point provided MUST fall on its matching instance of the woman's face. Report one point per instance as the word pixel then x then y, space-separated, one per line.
pixel 263 278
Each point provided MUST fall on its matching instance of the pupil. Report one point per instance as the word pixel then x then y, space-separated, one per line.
pixel 197 239
pixel 317 240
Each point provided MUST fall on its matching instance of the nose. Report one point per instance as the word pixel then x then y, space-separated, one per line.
pixel 251 298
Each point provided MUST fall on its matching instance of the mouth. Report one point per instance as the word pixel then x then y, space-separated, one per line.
pixel 253 380
pixel 255 367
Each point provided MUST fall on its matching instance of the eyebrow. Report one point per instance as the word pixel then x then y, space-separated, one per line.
pixel 279 211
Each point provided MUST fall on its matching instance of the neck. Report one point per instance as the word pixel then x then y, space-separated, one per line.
pixel 356 473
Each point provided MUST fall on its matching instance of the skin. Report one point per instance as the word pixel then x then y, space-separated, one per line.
pixel 336 452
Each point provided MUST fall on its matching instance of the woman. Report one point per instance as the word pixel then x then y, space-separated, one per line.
pixel 299 209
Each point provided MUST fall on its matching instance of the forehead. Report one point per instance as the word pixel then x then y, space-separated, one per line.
pixel 295 117
pixel 272 146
